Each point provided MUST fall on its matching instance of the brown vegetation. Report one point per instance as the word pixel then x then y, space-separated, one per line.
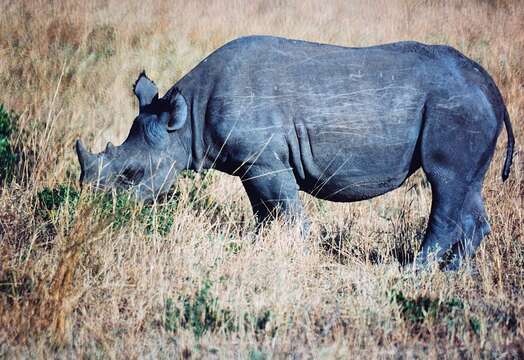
pixel 113 279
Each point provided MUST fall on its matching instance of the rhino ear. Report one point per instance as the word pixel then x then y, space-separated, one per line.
pixel 178 114
pixel 145 90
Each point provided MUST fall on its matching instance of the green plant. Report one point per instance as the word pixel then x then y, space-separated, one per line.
pixel 159 218
pixel 258 322
pixel 119 207
pixel 233 247
pixel 7 154
pixel 475 325
pixel 418 309
pixel 198 195
pixel 51 200
pixel 171 315
pixel 122 208
pixel 200 313
pixel 450 312
pixel 255 354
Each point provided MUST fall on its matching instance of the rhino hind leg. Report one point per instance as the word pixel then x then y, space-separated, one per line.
pixel 455 160
pixel 274 193
pixel 444 225
pixel 475 227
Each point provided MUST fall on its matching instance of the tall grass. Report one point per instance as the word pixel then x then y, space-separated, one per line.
pixel 87 276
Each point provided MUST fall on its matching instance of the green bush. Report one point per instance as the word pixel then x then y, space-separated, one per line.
pixel 53 199
pixel 160 216
pixel 417 310
pixel 198 194
pixel 57 203
pixel 200 313
pixel 7 154
pixel 257 322
pixel 117 206
pixel 422 307
pixel 255 354
pixel 120 208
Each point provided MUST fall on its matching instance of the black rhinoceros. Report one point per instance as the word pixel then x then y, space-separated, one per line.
pixel 342 124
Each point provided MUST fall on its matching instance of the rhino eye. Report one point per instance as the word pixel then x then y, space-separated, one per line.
pixel 130 176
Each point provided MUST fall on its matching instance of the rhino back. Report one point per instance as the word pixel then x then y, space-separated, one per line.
pixel 338 117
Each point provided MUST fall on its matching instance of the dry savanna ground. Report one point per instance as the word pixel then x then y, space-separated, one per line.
pixel 99 276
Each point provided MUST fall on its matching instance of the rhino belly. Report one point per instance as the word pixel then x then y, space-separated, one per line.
pixel 354 175
pixel 356 163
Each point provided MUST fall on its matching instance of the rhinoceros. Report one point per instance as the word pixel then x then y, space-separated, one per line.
pixel 342 124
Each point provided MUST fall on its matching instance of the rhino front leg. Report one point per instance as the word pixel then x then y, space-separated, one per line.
pixel 274 192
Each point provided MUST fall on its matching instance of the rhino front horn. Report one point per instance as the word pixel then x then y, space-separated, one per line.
pixel 84 157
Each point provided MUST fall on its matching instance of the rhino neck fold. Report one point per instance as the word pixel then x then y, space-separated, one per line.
pixel 195 137
pixel 197 89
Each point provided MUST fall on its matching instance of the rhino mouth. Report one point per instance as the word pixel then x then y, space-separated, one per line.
pixel 100 173
pixel 131 177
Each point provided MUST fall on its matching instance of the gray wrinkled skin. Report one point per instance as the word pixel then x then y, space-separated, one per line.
pixel 342 124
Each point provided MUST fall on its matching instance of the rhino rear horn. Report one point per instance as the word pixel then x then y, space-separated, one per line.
pixel 85 158
pixel 145 90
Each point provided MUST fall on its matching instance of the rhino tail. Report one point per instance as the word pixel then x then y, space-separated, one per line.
pixel 510 146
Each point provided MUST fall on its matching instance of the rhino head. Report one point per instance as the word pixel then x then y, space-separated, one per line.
pixel 155 151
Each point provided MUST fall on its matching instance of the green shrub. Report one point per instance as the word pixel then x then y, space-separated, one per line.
pixel 158 217
pixel 117 206
pixel 258 322
pixel 417 310
pixel 55 203
pixel 53 199
pixel 171 315
pixel 255 354
pixel 475 325
pixel 422 307
pixel 7 154
pixel 120 208
pixel 200 313
pixel 198 194
pixel 233 247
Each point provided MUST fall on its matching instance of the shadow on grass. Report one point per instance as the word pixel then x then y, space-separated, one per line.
pixel 340 244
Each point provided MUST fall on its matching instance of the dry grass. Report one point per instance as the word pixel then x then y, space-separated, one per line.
pixel 85 287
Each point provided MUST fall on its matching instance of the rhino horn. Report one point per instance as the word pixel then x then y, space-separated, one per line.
pixel 84 156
